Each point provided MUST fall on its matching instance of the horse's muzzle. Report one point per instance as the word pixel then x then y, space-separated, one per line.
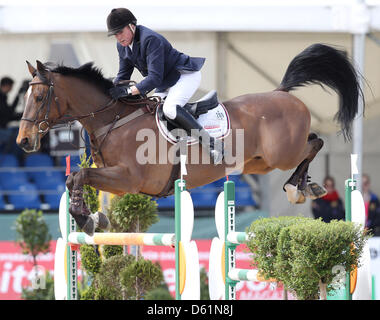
pixel 26 145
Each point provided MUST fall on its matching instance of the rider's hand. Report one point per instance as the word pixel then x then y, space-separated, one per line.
pixel 134 90
pixel 119 92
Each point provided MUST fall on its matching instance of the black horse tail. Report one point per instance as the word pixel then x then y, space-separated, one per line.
pixel 324 65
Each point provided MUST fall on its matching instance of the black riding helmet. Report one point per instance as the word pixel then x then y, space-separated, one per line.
pixel 118 19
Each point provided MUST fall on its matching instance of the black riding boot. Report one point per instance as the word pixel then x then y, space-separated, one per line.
pixel 187 122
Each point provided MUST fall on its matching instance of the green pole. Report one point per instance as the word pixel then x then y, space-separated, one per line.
pixel 350 185
pixel 68 253
pixel 71 257
pixel 373 296
pixel 229 248
pixel 177 217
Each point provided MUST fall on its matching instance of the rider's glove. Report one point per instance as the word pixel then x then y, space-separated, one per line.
pixel 120 92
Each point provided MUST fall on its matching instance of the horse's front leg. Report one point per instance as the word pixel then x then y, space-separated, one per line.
pixel 70 182
pixel 112 179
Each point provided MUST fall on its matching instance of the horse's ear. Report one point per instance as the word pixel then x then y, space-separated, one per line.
pixel 42 70
pixel 32 69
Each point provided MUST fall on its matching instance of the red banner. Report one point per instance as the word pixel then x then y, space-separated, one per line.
pixel 245 290
pixel 16 270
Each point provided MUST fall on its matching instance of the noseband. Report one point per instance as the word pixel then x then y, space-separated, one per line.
pixel 46 101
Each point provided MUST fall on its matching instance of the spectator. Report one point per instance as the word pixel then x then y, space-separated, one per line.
pixel 7 113
pixel 372 207
pixel 330 206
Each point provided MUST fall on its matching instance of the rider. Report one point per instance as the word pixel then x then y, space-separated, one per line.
pixel 173 74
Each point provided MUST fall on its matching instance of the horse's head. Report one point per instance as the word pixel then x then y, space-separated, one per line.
pixel 42 108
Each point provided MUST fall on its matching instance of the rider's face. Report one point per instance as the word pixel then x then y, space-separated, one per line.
pixel 125 36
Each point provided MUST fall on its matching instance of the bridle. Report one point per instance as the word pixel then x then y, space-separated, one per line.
pixel 47 100
pixel 150 104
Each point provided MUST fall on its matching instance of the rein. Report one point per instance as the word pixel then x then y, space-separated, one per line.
pixel 150 104
pixel 44 125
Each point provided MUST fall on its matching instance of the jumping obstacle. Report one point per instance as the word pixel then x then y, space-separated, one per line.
pixel 223 276
pixel 358 284
pixel 187 272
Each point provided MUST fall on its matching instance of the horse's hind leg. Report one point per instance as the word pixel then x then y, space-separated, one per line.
pixel 296 187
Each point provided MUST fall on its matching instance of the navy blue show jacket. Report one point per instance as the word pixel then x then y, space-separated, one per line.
pixel 156 60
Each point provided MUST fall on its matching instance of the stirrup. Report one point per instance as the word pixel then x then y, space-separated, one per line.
pixel 216 150
pixel 217 157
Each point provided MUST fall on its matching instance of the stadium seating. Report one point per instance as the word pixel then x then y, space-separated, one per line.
pixel 2 201
pixel 9 160
pixel 12 178
pixel 48 185
pixel 204 197
pixel 52 191
pixel 243 197
pixel 243 192
pixel 38 160
pixel 28 197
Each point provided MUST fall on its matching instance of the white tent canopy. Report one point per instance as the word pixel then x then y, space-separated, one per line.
pixel 205 15
pixel 321 16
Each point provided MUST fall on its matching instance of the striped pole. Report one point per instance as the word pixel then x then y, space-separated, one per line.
pixel 149 239
pixel 243 275
pixel 237 237
pixel 247 275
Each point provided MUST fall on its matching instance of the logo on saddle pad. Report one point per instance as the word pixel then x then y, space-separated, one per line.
pixel 210 114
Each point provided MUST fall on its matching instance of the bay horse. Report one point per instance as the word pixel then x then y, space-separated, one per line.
pixel 276 128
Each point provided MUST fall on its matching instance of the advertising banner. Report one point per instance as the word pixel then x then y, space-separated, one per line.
pixel 16 269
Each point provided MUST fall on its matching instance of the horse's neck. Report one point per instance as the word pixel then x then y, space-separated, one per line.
pixel 98 108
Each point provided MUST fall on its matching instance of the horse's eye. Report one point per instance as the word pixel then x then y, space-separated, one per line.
pixel 39 98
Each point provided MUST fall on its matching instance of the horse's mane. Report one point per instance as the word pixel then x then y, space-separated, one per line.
pixel 85 72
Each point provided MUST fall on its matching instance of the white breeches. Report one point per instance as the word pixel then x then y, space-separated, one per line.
pixel 181 92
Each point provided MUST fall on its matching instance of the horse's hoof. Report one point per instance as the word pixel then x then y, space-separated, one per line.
pixel 292 193
pixel 102 221
pixel 75 209
pixel 301 199
pixel 315 191
pixel 89 227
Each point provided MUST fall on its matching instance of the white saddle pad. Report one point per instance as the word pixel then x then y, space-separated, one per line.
pixel 216 122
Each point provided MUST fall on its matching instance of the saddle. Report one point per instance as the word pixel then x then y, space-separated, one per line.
pixel 153 105
pixel 202 106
